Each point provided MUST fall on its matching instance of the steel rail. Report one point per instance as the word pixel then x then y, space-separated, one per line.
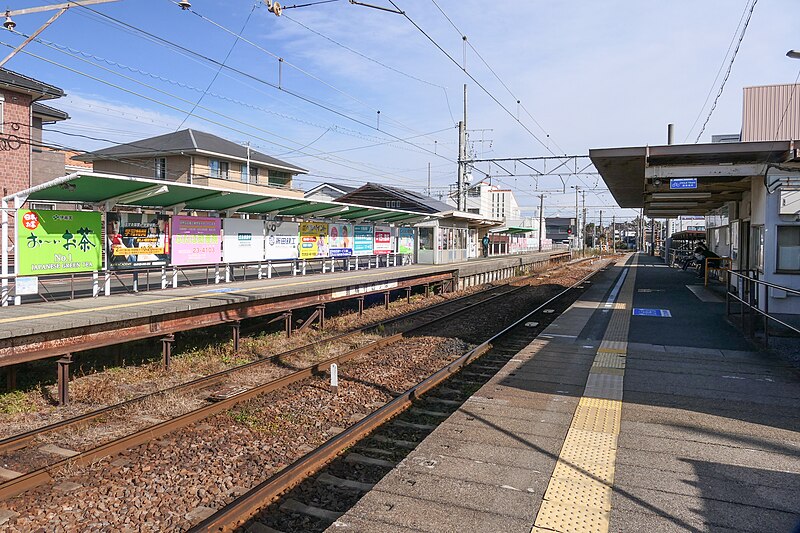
pixel 43 475
pixel 243 508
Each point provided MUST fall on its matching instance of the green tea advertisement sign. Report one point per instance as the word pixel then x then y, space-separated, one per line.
pixel 58 242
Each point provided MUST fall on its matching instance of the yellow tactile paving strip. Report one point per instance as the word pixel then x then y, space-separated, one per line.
pixel 578 497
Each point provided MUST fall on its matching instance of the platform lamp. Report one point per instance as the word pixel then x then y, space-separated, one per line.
pixel 794 54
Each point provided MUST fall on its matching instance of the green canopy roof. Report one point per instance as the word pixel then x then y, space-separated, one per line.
pixel 513 230
pixel 107 191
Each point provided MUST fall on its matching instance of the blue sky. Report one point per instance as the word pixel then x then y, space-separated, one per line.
pixel 588 75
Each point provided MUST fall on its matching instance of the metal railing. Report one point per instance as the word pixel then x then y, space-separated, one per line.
pixel 106 282
pixel 748 291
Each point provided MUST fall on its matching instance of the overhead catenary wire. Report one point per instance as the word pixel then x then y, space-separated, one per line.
pixel 334 127
pixel 728 71
pixel 216 74
pixel 284 61
pixel 384 65
pixel 481 86
pixel 719 71
pixel 244 74
pixel 489 67
pixel 216 122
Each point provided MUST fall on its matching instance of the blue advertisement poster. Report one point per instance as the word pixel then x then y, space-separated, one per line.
pixel 405 241
pixel 340 240
pixel 362 239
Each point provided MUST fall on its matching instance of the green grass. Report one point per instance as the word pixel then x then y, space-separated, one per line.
pixel 12 403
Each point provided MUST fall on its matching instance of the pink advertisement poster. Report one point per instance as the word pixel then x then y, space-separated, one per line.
pixel 196 240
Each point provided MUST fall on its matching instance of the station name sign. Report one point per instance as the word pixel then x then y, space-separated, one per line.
pixel 683 183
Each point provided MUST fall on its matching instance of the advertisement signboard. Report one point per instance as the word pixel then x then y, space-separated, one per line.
pixel 196 240
pixel 383 240
pixel 340 240
pixel 282 240
pixel 134 242
pixel 242 240
pixel 57 242
pixel 313 240
pixel 405 240
pixel 362 239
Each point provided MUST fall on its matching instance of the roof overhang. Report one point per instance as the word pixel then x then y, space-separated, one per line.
pixel 106 191
pixel 513 230
pixel 643 176
pixel 472 219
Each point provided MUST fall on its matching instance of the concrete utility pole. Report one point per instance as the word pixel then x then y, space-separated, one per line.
pixel 600 229
pixel 429 180
pixel 541 220
pixel 462 152
pixel 577 222
pixel 583 226
pixel 613 232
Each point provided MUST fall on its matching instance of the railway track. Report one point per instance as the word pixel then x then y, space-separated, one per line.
pixel 20 449
pixel 303 497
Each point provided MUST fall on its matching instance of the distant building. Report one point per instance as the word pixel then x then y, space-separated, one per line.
pixel 491 201
pixel 560 229
pixel 328 191
pixel 26 161
pixel 191 156
pixel 379 195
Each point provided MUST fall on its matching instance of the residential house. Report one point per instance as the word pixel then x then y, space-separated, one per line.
pixel 25 162
pixel 192 156
pixel 328 191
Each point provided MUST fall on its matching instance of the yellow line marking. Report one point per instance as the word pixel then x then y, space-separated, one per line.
pixel 578 497
pixel 28 318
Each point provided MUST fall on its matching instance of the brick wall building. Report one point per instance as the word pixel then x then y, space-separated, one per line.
pixel 18 94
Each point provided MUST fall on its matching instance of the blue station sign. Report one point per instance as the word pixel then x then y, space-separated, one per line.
pixel 683 183
pixel 661 313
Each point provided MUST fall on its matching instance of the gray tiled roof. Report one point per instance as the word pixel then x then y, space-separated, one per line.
pixel 49 112
pixel 424 203
pixel 28 85
pixel 187 141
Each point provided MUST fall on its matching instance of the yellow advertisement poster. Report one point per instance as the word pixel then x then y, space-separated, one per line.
pixel 313 240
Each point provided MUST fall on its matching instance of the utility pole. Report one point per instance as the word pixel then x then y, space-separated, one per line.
pixel 577 223
pixel 541 220
pixel 601 228
pixel 429 180
pixel 583 227
pixel 613 233
pixel 462 152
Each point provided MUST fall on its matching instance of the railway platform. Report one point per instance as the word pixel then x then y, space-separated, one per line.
pixel 639 409
pixel 56 329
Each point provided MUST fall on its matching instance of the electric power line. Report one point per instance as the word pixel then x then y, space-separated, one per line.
pixel 728 72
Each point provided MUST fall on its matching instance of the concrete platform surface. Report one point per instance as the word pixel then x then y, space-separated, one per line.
pixel 706 438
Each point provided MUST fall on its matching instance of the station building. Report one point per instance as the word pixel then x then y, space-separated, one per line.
pixel 747 191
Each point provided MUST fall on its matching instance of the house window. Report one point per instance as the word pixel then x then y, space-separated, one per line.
pixel 224 169
pixel 392 204
pixel 2 115
pixel 161 168
pixel 213 168
pixel 278 178
pixel 245 174
pixel 757 248
pixel 254 174
pixel 788 249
